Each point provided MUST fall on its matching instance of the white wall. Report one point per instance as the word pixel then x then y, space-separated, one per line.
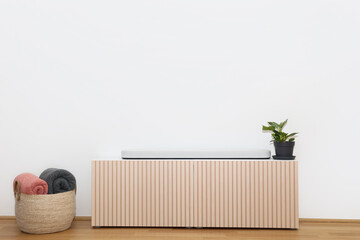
pixel 81 80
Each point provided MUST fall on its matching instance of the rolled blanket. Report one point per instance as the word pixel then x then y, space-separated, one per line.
pixel 58 180
pixel 30 184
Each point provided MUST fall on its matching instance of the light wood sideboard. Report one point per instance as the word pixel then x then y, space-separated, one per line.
pixel 195 193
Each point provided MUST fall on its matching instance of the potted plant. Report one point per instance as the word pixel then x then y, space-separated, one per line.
pixel 283 142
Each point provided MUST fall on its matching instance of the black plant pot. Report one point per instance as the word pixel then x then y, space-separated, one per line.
pixel 284 149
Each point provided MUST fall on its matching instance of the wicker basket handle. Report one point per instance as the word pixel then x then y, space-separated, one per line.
pixel 17 190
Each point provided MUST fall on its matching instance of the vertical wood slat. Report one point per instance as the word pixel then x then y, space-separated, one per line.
pixel 97 193
pixel 258 194
pixel 127 193
pixel 256 202
pixel 140 194
pixel 211 176
pixel 114 199
pixel 261 167
pixel 248 194
pixel 265 195
pixel 252 193
pixel 287 195
pixel 153 188
pixel 274 195
pixel 269 196
pixel 170 194
pixel 243 194
pixel 283 194
pixel 102 194
pixel 292 197
pixel 93 192
pixel 106 195
pixel 278 195
pixel 135 192
pixel 178 193
pixel 296 198
pixel 221 194
pixel 187 196
pixel 174 196
pixel 191 193
pixel 235 202
pixel 160 199
pixel 211 191
pixel 166 194
pixel 109 189
pixel 122 189
pixel 118 193
pixel 147 194
pixel 240 186
pixel 196 192
pixel 230 192
pixel 156 199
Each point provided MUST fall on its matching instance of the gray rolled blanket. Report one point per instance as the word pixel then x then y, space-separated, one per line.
pixel 58 180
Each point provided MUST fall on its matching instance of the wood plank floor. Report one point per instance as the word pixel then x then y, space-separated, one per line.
pixel 83 231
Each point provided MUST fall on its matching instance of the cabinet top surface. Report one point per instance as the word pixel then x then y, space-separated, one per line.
pixel 179 159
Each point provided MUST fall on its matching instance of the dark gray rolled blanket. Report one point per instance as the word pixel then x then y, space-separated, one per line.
pixel 58 180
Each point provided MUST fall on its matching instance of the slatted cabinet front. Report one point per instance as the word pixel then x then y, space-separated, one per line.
pixel 195 193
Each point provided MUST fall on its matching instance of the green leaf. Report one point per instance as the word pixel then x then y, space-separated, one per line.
pixel 276 137
pixel 292 134
pixel 274 124
pixel 291 139
pixel 283 136
pixel 268 128
pixel 281 125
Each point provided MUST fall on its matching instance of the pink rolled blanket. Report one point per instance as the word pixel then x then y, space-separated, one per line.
pixel 30 184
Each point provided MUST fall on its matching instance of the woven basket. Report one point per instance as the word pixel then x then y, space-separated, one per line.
pixel 47 213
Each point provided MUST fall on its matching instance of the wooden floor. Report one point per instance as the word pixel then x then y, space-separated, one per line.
pixel 83 230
